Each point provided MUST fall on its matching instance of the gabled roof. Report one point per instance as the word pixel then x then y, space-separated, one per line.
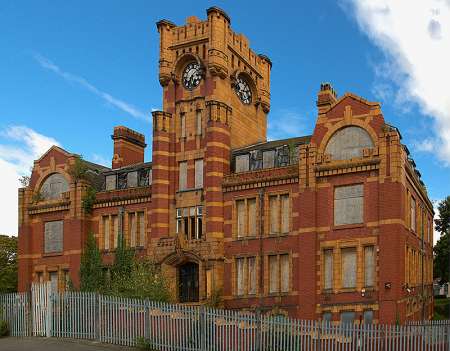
pixel 56 148
pixel 357 98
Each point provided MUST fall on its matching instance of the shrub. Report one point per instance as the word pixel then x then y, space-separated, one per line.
pixel 4 329
pixel 145 344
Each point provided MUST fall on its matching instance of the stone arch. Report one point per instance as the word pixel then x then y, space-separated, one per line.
pixel 53 185
pixel 341 125
pixel 183 60
pixel 249 79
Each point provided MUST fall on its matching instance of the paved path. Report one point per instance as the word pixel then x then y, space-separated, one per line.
pixel 53 344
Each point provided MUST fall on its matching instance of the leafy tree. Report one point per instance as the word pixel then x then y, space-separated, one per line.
pixel 91 268
pixel 442 247
pixel 78 169
pixel 122 266
pixel 8 264
pixel 443 221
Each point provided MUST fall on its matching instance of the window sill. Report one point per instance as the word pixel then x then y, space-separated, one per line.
pixel 189 190
pixel 277 235
pixel 242 297
pixel 244 238
pixel 348 226
pixel 278 294
pixel 52 254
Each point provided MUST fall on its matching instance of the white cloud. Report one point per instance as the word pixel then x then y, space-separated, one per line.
pixel 72 78
pixel 285 123
pixel 19 147
pixel 101 160
pixel 415 37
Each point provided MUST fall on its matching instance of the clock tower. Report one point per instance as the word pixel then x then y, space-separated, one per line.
pixel 216 97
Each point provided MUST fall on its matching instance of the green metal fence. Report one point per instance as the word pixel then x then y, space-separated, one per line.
pixel 180 327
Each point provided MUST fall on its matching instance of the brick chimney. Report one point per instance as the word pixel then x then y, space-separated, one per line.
pixel 326 97
pixel 129 147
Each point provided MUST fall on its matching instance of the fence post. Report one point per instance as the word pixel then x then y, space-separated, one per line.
pixel 319 329
pixel 448 337
pixel 258 336
pixel 49 310
pixel 202 318
pixel 97 317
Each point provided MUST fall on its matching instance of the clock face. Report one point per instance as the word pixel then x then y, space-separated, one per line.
pixel 192 75
pixel 243 90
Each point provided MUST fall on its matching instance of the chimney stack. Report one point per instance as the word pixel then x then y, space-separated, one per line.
pixel 326 97
pixel 129 147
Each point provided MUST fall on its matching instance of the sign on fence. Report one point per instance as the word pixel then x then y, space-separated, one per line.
pixel 179 327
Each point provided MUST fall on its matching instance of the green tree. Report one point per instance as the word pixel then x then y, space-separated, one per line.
pixel 8 264
pixel 91 268
pixel 442 247
pixel 136 278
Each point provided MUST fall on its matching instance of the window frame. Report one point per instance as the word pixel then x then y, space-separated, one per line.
pixel 193 216
pixel 279 270
pixel 279 215
pixel 246 278
pixel 335 205
pixel 246 210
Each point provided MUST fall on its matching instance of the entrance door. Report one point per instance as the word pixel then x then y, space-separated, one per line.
pixel 188 275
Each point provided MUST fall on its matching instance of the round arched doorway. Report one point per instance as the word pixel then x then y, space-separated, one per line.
pixel 188 282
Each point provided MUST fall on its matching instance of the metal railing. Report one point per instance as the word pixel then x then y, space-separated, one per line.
pixel 123 321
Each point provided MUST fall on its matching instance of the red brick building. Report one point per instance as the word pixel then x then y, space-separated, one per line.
pixel 335 225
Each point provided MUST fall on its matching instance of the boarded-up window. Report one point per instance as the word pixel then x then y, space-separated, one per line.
pixel 240 276
pixel 53 282
pixel 141 220
pixel 54 186
pixel 106 232
pixel 348 204
pixel 269 159
pixel 368 316
pixel 347 317
pixel 328 269
pixel 132 179
pixel 115 222
pixel 183 175
pixel 369 265
pixel 327 316
pixel 279 213
pixel 199 173
pixel 242 163
pixel 183 125
pixel 284 213
pixel 273 274
pixel 251 263
pixel 199 122
pixel 251 203
pixel 241 218
pixel 274 214
pixel 132 228
pixel 110 182
pixel 284 272
pixel 348 267
pixel 413 214
pixel 348 143
pixel 53 237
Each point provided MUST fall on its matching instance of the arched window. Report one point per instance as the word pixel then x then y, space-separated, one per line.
pixel 348 143
pixel 54 186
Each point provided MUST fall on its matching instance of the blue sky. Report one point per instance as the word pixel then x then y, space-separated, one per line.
pixel 72 70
